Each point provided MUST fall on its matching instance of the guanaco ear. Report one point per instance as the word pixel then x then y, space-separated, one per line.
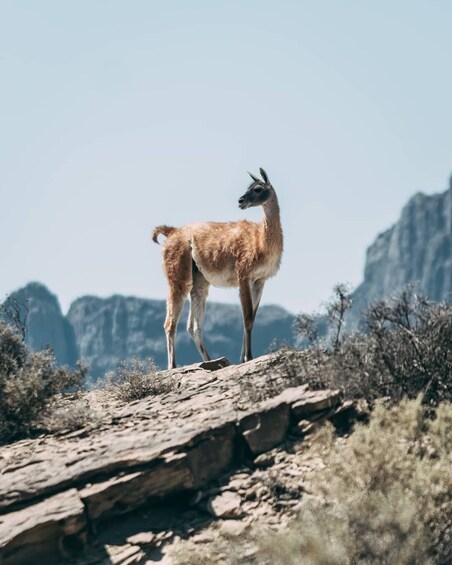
pixel 264 175
pixel 255 179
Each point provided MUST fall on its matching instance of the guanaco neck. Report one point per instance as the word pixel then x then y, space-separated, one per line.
pixel 272 239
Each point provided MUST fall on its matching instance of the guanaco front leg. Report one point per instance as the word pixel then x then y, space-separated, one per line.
pixel 257 288
pixel 248 319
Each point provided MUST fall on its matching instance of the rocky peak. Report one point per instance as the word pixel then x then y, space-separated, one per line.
pixel 417 249
pixel 46 325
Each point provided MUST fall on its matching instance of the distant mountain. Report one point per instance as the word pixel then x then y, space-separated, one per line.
pixel 417 249
pixel 125 327
pixel 46 324
pixel 103 331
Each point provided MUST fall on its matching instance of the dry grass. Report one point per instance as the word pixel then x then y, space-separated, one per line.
pixel 71 415
pixel 386 494
pixel 404 350
pixel 137 379
pixel 384 497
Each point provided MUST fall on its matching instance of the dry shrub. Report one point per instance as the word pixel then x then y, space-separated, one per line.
pixel 13 351
pixel 137 379
pixel 72 415
pixel 29 382
pixel 386 496
pixel 404 350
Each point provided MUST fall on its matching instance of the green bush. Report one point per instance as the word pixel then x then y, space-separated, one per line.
pixel 29 382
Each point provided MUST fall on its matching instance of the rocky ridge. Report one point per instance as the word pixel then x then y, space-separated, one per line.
pixel 121 327
pixel 200 450
pixel 45 322
pixel 416 250
pixel 104 331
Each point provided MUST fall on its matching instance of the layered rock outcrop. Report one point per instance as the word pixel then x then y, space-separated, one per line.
pixel 58 494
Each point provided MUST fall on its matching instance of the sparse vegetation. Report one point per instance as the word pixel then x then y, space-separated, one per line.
pixel 72 415
pixel 404 350
pixel 137 379
pixel 29 382
pixel 383 497
pixel 15 313
pixel 31 386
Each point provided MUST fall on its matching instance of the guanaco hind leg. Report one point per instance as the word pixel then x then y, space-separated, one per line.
pixel 178 268
pixel 198 297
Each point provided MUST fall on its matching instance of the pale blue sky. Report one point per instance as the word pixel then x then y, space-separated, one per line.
pixel 118 116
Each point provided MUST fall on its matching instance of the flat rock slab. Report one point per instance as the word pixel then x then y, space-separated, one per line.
pixel 55 489
pixel 55 526
pixel 314 401
pixel 264 429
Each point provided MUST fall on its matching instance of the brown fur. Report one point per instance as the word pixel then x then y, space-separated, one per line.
pixel 232 254
pixel 165 230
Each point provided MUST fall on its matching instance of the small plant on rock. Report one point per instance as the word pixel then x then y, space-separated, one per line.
pixel 72 415
pixel 137 379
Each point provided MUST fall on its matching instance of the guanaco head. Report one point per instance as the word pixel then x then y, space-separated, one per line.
pixel 258 192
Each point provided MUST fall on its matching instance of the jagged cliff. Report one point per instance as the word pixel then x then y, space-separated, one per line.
pixel 417 249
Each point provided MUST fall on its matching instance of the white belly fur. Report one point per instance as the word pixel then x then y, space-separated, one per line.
pixel 223 279
pixel 227 277
pixel 267 269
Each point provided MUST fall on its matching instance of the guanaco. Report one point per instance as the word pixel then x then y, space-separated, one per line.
pixel 239 254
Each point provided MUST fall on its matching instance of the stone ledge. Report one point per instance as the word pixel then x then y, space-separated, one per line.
pixel 55 526
pixel 72 485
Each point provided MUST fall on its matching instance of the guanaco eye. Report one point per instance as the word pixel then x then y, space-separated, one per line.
pixel 258 190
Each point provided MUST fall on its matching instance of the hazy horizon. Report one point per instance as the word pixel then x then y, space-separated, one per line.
pixel 118 118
